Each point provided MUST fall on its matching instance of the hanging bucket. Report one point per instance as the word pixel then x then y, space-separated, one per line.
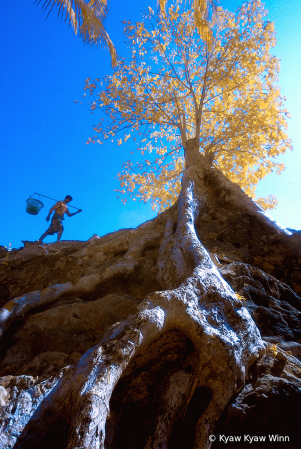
pixel 33 206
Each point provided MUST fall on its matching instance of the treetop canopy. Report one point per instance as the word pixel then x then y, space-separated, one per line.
pixel 179 84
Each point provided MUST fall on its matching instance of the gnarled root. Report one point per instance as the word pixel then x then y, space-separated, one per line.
pixel 81 397
pixel 176 387
pixel 196 301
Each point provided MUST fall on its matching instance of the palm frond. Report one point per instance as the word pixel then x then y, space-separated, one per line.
pixel 87 18
pixel 204 11
pixel 161 4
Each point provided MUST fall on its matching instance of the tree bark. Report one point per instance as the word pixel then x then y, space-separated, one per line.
pixel 211 339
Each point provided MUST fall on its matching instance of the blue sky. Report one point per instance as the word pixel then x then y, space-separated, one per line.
pixel 44 133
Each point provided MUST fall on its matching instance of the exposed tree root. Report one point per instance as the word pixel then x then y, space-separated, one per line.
pixel 176 386
pixel 196 300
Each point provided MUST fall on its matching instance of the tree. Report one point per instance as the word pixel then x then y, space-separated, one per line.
pixel 191 329
pixel 221 93
pixel 87 18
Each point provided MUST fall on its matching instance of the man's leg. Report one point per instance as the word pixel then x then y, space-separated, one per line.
pixel 42 237
pixel 59 235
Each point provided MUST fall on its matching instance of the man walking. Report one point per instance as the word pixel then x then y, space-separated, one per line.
pixel 56 225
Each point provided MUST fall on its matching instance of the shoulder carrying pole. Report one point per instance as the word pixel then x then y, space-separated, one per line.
pixel 35 193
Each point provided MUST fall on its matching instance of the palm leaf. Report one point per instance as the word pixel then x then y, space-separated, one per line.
pixel 87 18
pixel 204 11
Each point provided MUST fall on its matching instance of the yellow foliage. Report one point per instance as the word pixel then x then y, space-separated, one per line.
pixel 267 203
pixel 179 84
pixel 241 298
pixel 273 348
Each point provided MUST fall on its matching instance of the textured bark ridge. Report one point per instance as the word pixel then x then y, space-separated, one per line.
pixel 146 337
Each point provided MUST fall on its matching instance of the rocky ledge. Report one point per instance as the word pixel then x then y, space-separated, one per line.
pixel 44 341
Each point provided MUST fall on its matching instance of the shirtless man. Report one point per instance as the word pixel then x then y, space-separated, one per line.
pixel 56 225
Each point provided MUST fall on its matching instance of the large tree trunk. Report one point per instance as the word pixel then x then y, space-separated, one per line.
pixel 190 340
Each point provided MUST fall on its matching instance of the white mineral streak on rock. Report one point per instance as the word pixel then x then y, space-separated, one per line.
pixel 3 395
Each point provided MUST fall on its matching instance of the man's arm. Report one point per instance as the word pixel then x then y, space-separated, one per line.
pixel 74 213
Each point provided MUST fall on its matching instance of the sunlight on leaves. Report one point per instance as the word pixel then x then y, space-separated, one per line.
pixel 177 86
